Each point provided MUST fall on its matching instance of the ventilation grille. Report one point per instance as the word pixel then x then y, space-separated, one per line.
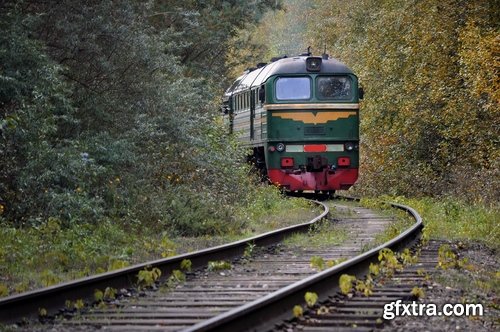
pixel 314 130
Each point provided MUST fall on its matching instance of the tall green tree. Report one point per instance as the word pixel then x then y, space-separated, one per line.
pixel 34 105
pixel 109 111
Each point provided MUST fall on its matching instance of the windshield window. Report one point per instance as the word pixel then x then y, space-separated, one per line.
pixel 293 88
pixel 334 87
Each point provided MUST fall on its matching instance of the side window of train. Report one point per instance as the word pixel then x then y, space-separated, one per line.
pixel 262 94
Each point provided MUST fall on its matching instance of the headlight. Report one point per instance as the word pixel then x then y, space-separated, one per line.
pixel 349 146
pixel 280 147
pixel 313 64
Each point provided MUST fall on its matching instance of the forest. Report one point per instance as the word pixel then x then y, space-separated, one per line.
pixel 109 110
pixel 110 124
pixel 430 69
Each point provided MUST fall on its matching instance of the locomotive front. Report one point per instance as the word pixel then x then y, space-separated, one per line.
pixel 308 112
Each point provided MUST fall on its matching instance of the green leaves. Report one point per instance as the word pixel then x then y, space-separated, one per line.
pixel 297 311
pixel 4 291
pixel 417 292
pixel 218 266
pixel 389 262
pixel 346 283
pixel 249 250
pixel 95 92
pixel 148 276
pixel 318 263
pixel 311 298
pixel 186 265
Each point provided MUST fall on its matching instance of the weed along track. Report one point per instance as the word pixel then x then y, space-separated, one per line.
pixel 360 307
pixel 244 285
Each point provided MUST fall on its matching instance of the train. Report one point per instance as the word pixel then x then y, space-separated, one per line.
pixel 299 118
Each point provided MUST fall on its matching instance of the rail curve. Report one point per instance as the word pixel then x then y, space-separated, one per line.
pixel 26 305
pixel 271 308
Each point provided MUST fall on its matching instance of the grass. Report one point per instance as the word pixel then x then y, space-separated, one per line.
pixel 34 257
pixel 323 233
pixel 452 219
pixel 445 218
pixel 474 283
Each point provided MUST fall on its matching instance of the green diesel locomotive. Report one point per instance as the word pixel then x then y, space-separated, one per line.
pixel 300 117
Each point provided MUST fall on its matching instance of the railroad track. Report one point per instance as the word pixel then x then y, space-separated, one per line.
pixel 254 294
pixel 355 311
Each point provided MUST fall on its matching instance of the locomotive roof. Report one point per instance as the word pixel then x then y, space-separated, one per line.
pixel 293 65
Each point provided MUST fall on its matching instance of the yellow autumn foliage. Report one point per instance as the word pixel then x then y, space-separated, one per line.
pixel 430 118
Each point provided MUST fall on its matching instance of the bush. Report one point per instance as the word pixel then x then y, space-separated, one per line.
pixel 453 219
pixel 104 117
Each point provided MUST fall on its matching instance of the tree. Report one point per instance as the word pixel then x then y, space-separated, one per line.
pixel 109 112
pixel 426 127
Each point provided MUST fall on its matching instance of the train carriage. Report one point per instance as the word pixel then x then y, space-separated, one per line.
pixel 300 117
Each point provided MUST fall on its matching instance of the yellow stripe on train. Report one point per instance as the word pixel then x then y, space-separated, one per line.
pixel 310 117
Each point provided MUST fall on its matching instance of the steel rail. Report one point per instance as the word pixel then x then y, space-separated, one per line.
pixel 276 307
pixel 18 307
